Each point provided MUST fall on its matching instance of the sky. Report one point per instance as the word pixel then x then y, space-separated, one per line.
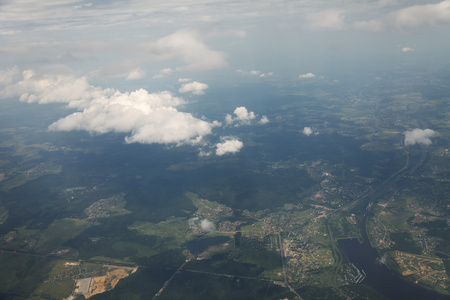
pixel 133 66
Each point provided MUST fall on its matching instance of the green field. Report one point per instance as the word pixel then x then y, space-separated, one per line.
pixel 171 233
pixel 56 290
pixel 60 231
pixel 136 249
pixel 3 213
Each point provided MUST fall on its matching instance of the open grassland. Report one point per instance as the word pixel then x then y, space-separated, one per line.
pixel 23 274
pixel 137 249
pixel 170 233
pixel 60 231
pixel 265 259
pixel 344 226
pixel 203 205
pixel 23 177
pixel 3 214
pixel 56 290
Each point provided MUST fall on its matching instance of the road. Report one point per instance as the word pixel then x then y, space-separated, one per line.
pixel 286 282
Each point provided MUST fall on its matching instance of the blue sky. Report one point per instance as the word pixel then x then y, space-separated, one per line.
pixel 131 66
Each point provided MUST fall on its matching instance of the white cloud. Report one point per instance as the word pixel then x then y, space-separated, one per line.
pixel 269 74
pixel 307 131
pixel 136 74
pixel 163 73
pixel 184 79
pixel 207 225
pixel 67 57
pixel 243 116
pixel 187 46
pixel 7 77
pixel 418 15
pixel 230 145
pixel 192 222
pixel 326 19
pixel 419 136
pixel 150 118
pixel 19 16
pixel 228 119
pixel 307 75
pixel 382 260
pixel 216 123
pixel 254 73
pixel 409 17
pixel 166 71
pixel 197 88
pixel 146 117
pixel 77 92
pixel 407 49
pixel 264 120
pixel 371 25
pixel 203 153
pixel 128 69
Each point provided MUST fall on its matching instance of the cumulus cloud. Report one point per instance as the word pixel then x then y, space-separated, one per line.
pixel 207 225
pixel 307 131
pixel 197 88
pixel 419 136
pixel 229 145
pixel 7 77
pixel 150 118
pixel 307 75
pixel 146 117
pixel 407 49
pixel 242 116
pixel 76 92
pixel 264 120
pixel 187 46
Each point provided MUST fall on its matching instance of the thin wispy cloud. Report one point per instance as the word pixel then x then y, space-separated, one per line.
pixel 306 76
pixel 186 46
pixel 407 49
pixel 196 88
pixel 254 73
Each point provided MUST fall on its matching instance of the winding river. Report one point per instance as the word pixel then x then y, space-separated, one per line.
pixel 366 258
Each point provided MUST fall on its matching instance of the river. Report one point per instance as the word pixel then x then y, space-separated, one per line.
pixel 378 276
pixel 366 258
